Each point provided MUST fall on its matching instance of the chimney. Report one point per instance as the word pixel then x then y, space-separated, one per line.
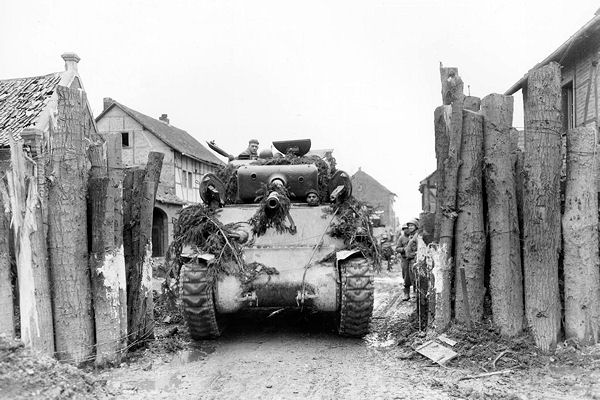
pixel 107 101
pixel 164 119
pixel 71 60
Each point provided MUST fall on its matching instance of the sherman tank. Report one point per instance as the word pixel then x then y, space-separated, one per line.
pixel 273 250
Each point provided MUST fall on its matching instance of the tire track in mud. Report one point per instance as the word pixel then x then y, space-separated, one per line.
pixel 285 357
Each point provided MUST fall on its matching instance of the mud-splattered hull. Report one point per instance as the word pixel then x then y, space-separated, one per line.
pixel 306 274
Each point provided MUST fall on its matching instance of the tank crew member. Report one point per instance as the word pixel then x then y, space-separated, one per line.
pixel 251 153
pixel 265 154
pixel 312 198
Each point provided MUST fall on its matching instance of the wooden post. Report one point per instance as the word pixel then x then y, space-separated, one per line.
pixel 115 174
pixel 441 120
pixel 452 93
pixel 67 230
pixel 30 252
pixel 440 273
pixel 138 212
pixel 506 277
pixel 107 271
pixel 541 204
pixel 517 159
pixel 426 296
pixel 472 103
pixel 469 230
pixel 7 322
pixel 580 237
pixel 466 308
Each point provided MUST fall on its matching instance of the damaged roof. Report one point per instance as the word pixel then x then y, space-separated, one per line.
pixel 176 138
pixel 21 102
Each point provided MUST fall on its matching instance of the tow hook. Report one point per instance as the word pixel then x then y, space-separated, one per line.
pixel 301 296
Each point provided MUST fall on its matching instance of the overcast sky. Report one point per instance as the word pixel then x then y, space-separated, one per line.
pixel 360 77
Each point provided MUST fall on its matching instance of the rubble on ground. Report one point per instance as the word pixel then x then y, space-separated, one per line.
pixel 25 375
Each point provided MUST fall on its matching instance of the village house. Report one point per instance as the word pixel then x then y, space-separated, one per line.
pixel 368 189
pixel 428 189
pixel 29 106
pixel 579 57
pixel 186 160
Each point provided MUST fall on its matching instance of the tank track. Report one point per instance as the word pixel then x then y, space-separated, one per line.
pixel 196 293
pixel 356 297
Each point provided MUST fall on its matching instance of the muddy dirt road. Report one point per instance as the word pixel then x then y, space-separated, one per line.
pixel 286 357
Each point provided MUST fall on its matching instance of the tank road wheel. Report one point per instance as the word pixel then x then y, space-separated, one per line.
pixel 356 297
pixel 197 301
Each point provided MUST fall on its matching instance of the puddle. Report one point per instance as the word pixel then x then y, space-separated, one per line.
pixel 375 340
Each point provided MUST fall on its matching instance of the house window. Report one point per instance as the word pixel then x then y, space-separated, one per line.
pixel 190 185
pixel 567 106
pixel 125 139
pixel 184 178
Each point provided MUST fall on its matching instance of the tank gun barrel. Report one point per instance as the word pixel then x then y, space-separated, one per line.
pixel 273 201
pixel 219 150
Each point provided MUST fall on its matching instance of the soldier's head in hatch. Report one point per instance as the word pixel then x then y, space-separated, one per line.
pixel 253 147
pixel 312 198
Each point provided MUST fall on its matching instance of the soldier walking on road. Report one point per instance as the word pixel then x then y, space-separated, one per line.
pixel 407 247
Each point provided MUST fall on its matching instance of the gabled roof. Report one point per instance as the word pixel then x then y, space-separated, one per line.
pixel 431 177
pixel 360 174
pixel 176 138
pixel 589 33
pixel 21 102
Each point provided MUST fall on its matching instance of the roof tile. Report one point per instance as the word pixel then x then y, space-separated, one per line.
pixel 21 101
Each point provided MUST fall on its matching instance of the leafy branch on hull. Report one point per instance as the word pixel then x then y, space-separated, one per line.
pixel 273 209
pixel 199 228
pixel 353 225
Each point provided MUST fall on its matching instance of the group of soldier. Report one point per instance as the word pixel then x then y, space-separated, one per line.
pixel 405 246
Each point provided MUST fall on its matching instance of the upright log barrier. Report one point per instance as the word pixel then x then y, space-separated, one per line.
pixel 541 204
pixel 469 229
pixel 506 277
pixel 140 187
pixel 30 252
pixel 452 94
pixel 441 122
pixel 580 238
pixel 439 303
pixel 7 321
pixel 67 230
pixel 115 175
pixel 107 269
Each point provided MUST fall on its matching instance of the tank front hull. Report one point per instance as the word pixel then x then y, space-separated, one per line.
pixel 317 289
pixel 289 255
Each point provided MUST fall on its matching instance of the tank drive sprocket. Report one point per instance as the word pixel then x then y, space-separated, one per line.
pixel 356 297
pixel 197 301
